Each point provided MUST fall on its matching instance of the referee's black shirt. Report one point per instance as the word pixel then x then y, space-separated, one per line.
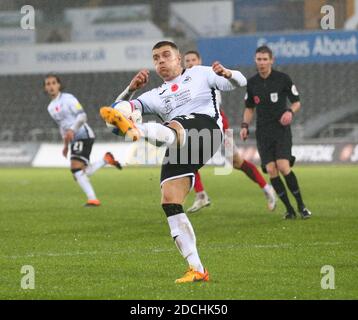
pixel 269 97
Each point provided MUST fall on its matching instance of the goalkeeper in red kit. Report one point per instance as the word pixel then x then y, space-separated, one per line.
pixel 192 58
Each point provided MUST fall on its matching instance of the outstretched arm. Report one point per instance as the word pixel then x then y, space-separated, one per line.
pixel 139 81
pixel 227 79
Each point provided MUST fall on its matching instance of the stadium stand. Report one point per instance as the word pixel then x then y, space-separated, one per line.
pixel 323 88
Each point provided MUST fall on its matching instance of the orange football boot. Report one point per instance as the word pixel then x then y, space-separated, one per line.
pixel 192 275
pixel 93 203
pixel 117 119
pixel 109 158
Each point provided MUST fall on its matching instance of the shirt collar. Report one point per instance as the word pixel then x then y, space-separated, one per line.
pixel 176 79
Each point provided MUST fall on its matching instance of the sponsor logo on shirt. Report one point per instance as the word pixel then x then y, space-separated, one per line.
pixel 168 105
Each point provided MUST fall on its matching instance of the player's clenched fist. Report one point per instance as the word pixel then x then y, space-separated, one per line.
pixel 139 80
pixel 220 70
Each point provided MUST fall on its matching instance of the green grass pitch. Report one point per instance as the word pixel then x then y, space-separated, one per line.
pixel 123 250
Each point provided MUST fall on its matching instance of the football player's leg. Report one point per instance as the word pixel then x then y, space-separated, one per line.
pixel 124 125
pixel 249 169
pixel 155 133
pixel 93 167
pixel 254 174
pixel 79 173
pixel 107 159
pixel 172 134
pixel 198 185
pixel 201 197
pixel 173 195
pixel 80 154
pixel 158 134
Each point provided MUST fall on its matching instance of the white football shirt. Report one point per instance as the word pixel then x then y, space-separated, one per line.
pixel 191 92
pixel 64 109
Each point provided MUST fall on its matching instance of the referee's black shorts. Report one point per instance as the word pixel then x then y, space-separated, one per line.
pixel 203 138
pixel 274 145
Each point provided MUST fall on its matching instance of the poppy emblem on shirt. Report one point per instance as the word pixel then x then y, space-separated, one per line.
pixel 256 99
pixel 57 109
pixel 174 87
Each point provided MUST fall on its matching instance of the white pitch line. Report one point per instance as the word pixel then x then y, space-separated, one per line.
pixel 159 250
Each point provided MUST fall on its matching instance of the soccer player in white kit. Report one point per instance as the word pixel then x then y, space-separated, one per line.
pixel 71 119
pixel 192 58
pixel 185 102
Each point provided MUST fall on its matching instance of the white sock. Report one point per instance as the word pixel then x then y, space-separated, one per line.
pixel 93 167
pixel 182 232
pixel 201 195
pixel 157 134
pixel 85 184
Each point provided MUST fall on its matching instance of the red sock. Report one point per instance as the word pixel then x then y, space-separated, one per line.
pixel 252 172
pixel 198 186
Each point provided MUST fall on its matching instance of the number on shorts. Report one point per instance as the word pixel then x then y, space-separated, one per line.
pixel 78 146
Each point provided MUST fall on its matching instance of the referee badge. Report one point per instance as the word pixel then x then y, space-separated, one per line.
pixel 274 97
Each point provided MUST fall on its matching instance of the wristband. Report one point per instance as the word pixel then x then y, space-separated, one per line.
pixel 244 125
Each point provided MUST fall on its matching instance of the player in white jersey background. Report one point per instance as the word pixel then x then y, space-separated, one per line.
pixel 71 119
pixel 184 102
pixel 192 58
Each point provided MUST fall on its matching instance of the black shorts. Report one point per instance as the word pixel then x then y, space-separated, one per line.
pixel 274 145
pixel 203 138
pixel 81 150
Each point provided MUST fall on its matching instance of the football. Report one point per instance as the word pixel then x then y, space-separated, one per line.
pixel 127 110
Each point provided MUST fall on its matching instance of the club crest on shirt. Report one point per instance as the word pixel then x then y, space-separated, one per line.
pixel 257 99
pixel 274 97
pixel 58 108
pixel 186 80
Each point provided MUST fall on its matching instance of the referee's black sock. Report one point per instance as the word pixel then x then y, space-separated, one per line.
pixel 292 184
pixel 281 192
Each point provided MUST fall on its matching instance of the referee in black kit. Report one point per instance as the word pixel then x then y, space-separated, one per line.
pixel 267 92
